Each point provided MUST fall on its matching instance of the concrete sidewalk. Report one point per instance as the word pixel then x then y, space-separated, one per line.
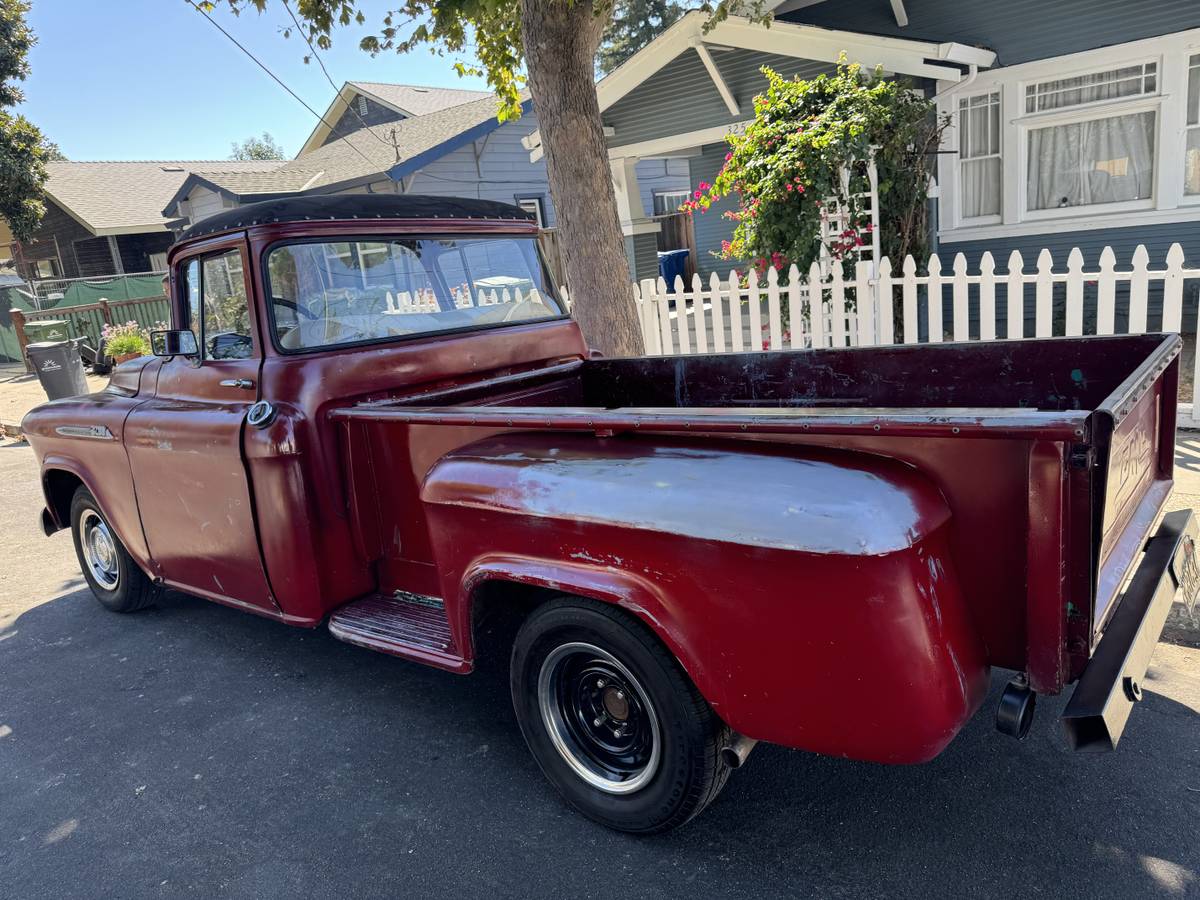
pixel 20 392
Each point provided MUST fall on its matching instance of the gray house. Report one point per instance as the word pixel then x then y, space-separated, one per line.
pixel 1074 123
pixel 408 139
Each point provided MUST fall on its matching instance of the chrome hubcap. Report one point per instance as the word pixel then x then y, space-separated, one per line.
pixel 599 718
pixel 99 550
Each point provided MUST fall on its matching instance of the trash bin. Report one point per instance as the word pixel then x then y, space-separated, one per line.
pixel 39 330
pixel 59 368
pixel 670 264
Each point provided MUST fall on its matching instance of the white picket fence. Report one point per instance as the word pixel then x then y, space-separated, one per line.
pixel 738 314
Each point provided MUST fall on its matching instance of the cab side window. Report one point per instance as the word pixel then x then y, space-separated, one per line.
pixel 191 289
pixel 225 309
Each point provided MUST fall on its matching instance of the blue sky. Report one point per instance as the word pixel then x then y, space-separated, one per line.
pixel 150 79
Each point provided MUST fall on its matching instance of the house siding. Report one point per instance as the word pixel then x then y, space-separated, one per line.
pixel 55 238
pixel 350 120
pixel 1018 30
pixel 1124 241
pixel 711 227
pixel 681 96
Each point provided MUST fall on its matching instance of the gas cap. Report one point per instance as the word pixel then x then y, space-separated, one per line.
pixel 261 414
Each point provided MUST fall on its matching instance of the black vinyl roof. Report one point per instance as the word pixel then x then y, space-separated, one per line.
pixel 354 206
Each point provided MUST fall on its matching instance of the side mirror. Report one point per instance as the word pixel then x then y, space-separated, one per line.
pixel 174 343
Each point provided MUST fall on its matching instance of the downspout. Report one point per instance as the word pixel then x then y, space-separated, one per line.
pixel 932 213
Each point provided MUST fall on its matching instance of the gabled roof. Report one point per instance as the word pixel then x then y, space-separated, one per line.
pixel 128 197
pixel 408 100
pixel 945 61
pixel 368 154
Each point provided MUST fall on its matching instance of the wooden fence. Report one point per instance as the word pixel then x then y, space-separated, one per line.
pixel 88 320
pixel 746 313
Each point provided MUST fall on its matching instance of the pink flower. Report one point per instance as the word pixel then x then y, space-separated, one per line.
pixel 704 185
pixel 698 194
pixel 788 187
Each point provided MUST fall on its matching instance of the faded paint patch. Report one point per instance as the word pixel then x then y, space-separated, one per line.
pixel 845 503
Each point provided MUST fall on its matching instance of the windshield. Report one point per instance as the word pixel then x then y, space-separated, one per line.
pixel 348 292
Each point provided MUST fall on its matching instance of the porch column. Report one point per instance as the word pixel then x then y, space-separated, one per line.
pixel 641 231
pixel 115 252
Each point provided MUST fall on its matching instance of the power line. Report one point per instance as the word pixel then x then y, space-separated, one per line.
pixel 277 80
pixel 333 84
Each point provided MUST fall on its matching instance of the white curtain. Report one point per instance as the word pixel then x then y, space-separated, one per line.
pixel 979 148
pixel 980 180
pixel 1084 163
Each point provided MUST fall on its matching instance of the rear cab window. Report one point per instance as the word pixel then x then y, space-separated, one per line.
pixel 334 293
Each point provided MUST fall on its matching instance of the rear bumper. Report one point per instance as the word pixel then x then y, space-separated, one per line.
pixel 1111 683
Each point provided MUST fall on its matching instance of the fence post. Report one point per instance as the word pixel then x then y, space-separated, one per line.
pixel 18 320
pixel 105 312
pixel 961 328
pixel 987 297
pixel 1172 314
pixel 1074 325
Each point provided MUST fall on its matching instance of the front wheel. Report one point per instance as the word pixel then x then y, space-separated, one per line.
pixel 612 719
pixel 109 570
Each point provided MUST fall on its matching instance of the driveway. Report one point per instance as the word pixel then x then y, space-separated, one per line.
pixel 194 751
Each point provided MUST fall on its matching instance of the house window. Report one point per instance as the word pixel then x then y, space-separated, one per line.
pixel 1191 152
pixel 1115 84
pixel 533 205
pixel 979 164
pixel 158 262
pixel 668 202
pixel 47 268
pixel 1092 162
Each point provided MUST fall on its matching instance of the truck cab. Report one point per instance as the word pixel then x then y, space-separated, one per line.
pixel 375 413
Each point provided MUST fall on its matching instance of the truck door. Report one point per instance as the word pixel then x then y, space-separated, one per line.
pixel 185 444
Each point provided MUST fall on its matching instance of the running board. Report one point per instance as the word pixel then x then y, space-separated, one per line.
pixel 411 626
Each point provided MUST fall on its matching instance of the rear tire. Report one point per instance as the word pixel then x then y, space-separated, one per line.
pixel 115 579
pixel 612 719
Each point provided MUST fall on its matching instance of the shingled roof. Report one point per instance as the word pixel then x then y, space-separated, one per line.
pixel 128 197
pixel 392 150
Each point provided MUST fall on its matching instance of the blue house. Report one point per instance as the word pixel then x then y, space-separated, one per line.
pixel 1074 123
pixel 388 138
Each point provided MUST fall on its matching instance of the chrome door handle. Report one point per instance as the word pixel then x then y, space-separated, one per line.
pixel 243 383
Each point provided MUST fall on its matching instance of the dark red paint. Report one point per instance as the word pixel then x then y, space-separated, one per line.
pixel 835 545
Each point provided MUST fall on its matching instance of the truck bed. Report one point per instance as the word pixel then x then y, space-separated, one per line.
pixel 1055 456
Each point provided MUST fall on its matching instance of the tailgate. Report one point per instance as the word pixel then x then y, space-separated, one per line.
pixel 1135 436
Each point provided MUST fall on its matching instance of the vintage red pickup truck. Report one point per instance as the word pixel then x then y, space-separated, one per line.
pixel 374 413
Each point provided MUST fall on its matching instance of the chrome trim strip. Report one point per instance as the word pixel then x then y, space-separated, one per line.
pixel 94 432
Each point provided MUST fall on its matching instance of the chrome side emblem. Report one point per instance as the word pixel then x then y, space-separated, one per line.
pixel 94 432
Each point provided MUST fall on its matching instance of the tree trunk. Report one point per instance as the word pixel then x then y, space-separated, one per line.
pixel 560 41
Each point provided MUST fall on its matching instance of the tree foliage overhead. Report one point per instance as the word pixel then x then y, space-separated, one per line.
pixel 789 162
pixel 23 150
pixel 264 147
pixel 635 24
pixel 492 29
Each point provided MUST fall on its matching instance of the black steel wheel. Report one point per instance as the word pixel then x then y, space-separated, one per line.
pixel 612 719
pixel 115 579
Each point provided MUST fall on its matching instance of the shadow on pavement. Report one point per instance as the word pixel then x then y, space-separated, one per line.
pixel 1187 452
pixel 192 749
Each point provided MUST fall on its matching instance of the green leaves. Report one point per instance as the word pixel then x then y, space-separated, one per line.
pixel 23 150
pixel 788 163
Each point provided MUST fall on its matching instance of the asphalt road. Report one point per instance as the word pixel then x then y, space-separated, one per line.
pixel 195 751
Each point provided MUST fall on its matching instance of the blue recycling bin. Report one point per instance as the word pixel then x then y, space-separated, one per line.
pixel 670 264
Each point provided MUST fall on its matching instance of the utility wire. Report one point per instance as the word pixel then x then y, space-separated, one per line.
pixel 333 84
pixel 279 81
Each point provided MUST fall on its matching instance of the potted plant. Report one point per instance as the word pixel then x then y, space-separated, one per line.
pixel 125 342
